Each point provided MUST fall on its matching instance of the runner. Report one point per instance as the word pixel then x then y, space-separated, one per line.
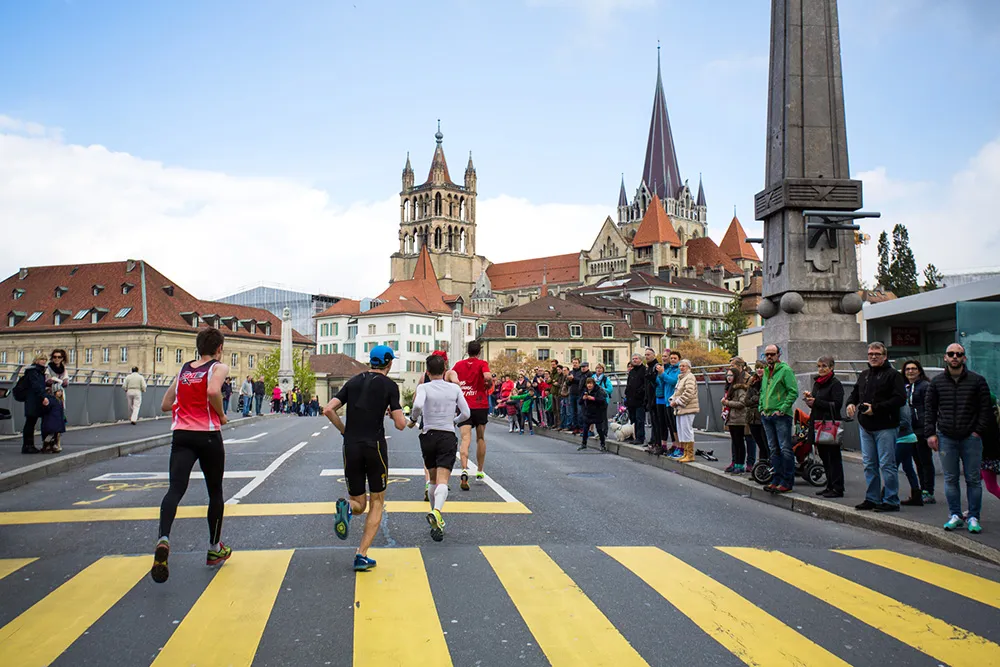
pixel 368 396
pixel 438 402
pixel 449 376
pixel 475 378
pixel 195 398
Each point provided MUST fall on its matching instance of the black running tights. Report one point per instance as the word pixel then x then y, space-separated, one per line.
pixel 206 448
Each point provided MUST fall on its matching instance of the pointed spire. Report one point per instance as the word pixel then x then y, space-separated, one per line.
pixel 622 197
pixel 438 135
pixel 701 192
pixel 439 165
pixel 424 270
pixel 407 169
pixel 660 167
pixel 470 166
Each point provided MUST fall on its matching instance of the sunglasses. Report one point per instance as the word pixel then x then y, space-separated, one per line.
pixel 770 354
pixel 954 354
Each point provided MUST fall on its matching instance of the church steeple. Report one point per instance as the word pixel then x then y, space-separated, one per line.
pixel 701 193
pixel 439 166
pixel 660 170
pixel 470 175
pixel 407 174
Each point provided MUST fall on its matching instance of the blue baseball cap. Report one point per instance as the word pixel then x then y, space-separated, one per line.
pixel 381 355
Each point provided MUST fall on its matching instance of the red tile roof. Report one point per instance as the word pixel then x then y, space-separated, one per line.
pixel 656 227
pixel 559 314
pixel 702 253
pixel 556 270
pixel 336 365
pixel 422 288
pixel 342 307
pixel 734 243
pixel 167 305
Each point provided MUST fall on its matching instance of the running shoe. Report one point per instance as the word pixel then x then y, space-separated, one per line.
pixel 464 485
pixel 954 523
pixel 218 556
pixel 928 498
pixel 363 563
pixel 160 571
pixel 437 525
pixel 730 468
pixel 480 475
pixel 973 525
pixel 342 522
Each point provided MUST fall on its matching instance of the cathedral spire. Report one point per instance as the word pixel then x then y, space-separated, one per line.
pixel 660 167
pixel 622 197
pixel 701 193
pixel 439 166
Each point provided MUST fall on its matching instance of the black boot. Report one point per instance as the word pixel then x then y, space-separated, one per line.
pixel 916 499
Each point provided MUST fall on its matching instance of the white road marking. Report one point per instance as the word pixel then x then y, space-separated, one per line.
pixel 413 472
pixel 250 439
pixel 154 476
pixel 326 427
pixel 264 474
pixel 315 434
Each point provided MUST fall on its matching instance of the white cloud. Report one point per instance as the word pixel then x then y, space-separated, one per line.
pixel 62 203
pixel 952 225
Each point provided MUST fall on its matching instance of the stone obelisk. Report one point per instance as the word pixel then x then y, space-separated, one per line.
pixel 286 374
pixel 810 301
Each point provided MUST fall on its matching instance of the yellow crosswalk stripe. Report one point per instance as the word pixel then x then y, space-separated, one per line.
pixel 395 619
pixel 956 581
pixel 751 634
pixel 569 628
pixel 28 517
pixel 943 641
pixel 11 565
pixel 225 625
pixel 42 633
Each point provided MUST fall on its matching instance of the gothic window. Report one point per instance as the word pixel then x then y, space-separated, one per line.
pixel 406 210
pixel 437 238
pixel 451 238
pixel 437 204
pixel 461 247
pixel 461 208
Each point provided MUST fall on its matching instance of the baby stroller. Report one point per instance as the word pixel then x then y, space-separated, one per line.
pixel 808 465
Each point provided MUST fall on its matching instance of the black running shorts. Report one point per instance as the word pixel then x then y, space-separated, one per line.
pixel 477 417
pixel 366 462
pixel 439 449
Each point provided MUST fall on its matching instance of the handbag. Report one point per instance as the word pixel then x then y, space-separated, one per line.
pixel 828 432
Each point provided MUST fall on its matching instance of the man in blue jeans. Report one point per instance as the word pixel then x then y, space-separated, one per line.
pixel 957 409
pixel 778 392
pixel 876 399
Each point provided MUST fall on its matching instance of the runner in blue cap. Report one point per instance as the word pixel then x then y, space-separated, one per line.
pixel 367 396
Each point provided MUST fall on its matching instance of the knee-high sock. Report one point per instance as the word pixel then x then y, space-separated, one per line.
pixel 440 495
pixel 430 493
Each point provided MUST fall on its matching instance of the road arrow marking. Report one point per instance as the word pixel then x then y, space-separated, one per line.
pixel 250 439
pixel 94 502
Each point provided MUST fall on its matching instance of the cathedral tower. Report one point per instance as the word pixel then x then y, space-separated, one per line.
pixel 440 215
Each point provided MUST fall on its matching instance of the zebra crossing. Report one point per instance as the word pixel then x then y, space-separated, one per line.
pixel 560 607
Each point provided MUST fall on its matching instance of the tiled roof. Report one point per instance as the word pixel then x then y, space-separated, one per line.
pixel 342 307
pixel 400 304
pixel 336 365
pixel 559 314
pixel 656 227
pixel 423 288
pixel 871 296
pixel 734 243
pixel 120 287
pixel 703 253
pixel 618 307
pixel 557 270
pixel 639 280
pixel 439 161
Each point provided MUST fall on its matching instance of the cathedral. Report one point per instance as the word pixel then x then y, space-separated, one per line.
pixel 662 231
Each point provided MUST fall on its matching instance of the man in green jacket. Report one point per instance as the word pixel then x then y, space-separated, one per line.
pixel 778 392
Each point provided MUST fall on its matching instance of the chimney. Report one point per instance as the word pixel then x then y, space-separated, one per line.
pixel 747 275
pixel 129 265
pixel 22 274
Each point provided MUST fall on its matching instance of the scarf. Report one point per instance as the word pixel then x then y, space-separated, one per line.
pixel 823 379
pixel 58 369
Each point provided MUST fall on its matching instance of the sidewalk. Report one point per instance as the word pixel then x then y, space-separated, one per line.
pixel 920 524
pixel 87 445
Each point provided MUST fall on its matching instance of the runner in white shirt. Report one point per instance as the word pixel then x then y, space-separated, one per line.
pixel 442 405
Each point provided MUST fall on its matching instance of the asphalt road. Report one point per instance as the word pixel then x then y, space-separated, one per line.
pixel 568 558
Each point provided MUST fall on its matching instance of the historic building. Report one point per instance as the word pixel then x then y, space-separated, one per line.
pixel 115 315
pixel 275 299
pixel 439 215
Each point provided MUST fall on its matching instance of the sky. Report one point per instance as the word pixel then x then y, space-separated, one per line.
pixel 275 133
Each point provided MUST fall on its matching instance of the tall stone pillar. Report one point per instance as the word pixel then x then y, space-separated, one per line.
pixel 286 375
pixel 810 301
pixel 457 344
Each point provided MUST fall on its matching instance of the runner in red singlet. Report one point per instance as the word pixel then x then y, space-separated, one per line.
pixel 475 379
pixel 195 399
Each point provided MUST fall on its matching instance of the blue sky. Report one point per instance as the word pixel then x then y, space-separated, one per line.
pixel 553 98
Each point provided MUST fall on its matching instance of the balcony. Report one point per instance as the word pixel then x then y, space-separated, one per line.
pixel 716 335
pixel 678 332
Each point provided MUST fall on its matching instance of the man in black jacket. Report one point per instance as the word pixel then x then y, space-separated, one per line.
pixel 956 411
pixel 34 403
pixel 573 380
pixel 581 386
pixel 258 394
pixel 876 399
pixel 635 398
pixel 654 427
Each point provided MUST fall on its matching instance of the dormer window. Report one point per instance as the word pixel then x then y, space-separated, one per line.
pixel 191 318
pixel 59 291
pixel 210 320
pixel 510 330
pixel 267 328
pixel 576 331
pixel 17 294
pixel 60 316
pixel 80 314
pixel 14 317
pixel 96 289
pixel 543 330
pixel 34 316
pixel 127 287
pixel 168 290
pixel 607 331
pixel 96 314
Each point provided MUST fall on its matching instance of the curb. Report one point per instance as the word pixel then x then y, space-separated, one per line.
pixel 821 509
pixel 42 469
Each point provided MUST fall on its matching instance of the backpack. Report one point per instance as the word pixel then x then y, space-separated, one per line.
pixel 21 389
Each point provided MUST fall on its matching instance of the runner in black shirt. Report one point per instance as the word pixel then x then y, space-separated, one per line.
pixel 366 455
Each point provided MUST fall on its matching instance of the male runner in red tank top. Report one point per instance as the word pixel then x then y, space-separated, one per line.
pixel 195 399
pixel 475 379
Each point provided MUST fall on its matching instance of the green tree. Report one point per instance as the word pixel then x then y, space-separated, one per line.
pixel 883 275
pixel 932 278
pixel 304 377
pixel 268 368
pixel 903 267
pixel 734 323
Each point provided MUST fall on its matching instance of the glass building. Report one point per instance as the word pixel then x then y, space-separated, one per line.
pixel 275 299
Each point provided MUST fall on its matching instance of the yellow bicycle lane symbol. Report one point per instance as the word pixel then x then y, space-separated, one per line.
pixel 125 486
